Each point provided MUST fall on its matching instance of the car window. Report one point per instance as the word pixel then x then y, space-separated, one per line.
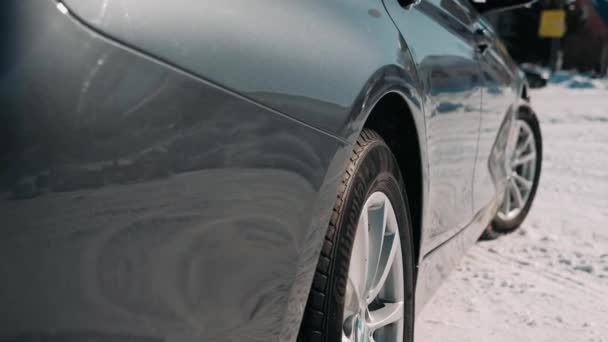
pixel 486 24
pixel 460 10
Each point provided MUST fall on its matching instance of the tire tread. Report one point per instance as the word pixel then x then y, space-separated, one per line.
pixel 315 316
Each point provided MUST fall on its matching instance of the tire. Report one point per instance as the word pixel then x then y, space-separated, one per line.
pixel 372 168
pixel 501 224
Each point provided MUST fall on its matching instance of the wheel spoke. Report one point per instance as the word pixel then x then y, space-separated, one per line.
pixel 390 313
pixel 375 274
pixel 521 149
pixel 352 300
pixel 357 273
pixel 377 229
pixel 390 246
pixel 524 159
pixel 519 201
pixel 523 181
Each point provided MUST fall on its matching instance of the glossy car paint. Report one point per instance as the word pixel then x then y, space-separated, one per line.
pixel 310 59
pixel 451 81
pixel 503 92
pixel 141 197
pixel 168 169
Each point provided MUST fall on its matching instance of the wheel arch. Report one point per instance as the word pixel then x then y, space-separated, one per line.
pixel 392 118
pixel 392 104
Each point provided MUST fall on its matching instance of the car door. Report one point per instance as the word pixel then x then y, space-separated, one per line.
pixel 441 37
pixel 499 95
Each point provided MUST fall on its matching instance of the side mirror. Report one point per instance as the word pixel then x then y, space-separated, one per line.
pixel 535 81
pixel 536 76
pixel 485 6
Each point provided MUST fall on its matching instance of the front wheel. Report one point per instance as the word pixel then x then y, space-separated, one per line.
pixel 363 289
pixel 522 182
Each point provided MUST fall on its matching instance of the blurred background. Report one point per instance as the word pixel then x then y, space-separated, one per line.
pixel 558 35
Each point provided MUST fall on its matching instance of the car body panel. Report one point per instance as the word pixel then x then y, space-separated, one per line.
pixel 437 264
pixel 502 94
pixel 310 59
pixel 168 169
pixel 136 197
pixel 447 65
pixel 502 87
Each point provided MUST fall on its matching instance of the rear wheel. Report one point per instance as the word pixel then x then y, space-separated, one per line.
pixel 522 182
pixel 364 282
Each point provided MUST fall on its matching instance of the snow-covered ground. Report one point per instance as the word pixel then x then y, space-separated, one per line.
pixel 549 280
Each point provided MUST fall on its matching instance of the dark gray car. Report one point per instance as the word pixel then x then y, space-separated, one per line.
pixel 232 170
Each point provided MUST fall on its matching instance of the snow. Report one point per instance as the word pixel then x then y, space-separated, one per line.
pixel 549 280
pixel 575 81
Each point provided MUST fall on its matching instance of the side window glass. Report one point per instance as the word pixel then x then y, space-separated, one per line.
pixel 458 9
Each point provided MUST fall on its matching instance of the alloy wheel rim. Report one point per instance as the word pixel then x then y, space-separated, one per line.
pixel 522 169
pixel 374 299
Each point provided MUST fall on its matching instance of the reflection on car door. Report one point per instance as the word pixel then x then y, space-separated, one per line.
pixel 441 38
pixel 498 96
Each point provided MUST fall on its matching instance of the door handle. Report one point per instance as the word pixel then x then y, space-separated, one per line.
pixel 482 47
pixel 482 40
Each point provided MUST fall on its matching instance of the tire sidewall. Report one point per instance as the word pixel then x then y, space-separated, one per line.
pixel 377 170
